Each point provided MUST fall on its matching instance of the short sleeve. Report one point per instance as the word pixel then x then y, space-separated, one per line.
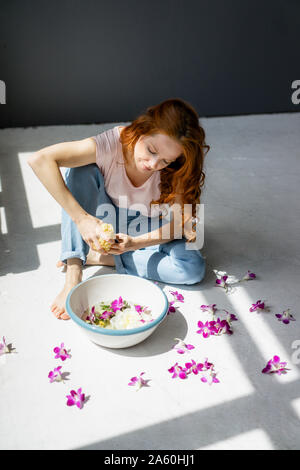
pixel 106 149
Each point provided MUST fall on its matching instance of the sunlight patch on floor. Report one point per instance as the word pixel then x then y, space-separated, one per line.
pixel 3 224
pixel 261 334
pixel 296 406
pixel 43 208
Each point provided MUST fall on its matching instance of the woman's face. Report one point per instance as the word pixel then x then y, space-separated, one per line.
pixel 155 152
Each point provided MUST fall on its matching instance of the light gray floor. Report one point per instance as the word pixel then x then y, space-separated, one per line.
pixel 252 221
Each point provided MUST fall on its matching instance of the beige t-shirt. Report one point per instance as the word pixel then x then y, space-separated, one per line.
pixel 109 158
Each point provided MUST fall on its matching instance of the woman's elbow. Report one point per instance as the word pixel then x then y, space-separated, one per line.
pixel 34 158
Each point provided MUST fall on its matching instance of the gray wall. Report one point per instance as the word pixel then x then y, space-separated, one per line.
pixel 89 61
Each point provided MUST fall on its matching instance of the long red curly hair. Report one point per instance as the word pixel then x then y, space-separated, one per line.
pixel 183 178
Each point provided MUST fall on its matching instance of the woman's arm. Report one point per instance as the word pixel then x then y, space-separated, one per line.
pixel 168 232
pixel 46 163
pixel 164 234
pixel 128 243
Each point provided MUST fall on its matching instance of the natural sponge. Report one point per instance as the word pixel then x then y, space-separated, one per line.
pixel 107 237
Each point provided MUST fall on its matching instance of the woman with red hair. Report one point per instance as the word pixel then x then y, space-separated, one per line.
pixel 153 166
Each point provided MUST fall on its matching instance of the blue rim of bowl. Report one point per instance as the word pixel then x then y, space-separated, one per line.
pixel 104 331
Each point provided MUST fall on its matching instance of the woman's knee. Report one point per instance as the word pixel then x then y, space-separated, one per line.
pixel 86 183
pixel 82 176
pixel 190 272
pixel 190 264
pixel 196 274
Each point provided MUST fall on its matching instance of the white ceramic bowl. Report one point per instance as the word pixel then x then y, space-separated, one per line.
pixel 107 287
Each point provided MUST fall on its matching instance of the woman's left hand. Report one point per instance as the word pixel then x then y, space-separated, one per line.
pixel 125 243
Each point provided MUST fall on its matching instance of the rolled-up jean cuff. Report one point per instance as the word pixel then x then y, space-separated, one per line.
pixel 119 265
pixel 73 254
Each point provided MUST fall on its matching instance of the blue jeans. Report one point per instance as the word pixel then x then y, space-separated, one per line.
pixel 170 262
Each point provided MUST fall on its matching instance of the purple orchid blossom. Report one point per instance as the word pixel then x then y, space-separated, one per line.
pixel 178 371
pixel 211 378
pixel 138 308
pixel 55 375
pixel 178 296
pixel 259 305
pixel 206 370
pixel 274 366
pixel 221 326
pixel 61 352
pixel 206 329
pixel 230 317
pixel 207 365
pixel 92 316
pixel 211 308
pixel 221 282
pixel 172 309
pixel 226 281
pixel 76 398
pixel 193 367
pixel 249 276
pixel 117 304
pixel 138 381
pixel 182 347
pixel 106 315
pixel 285 316
pixel 5 348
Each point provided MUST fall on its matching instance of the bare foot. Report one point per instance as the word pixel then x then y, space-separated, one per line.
pixel 93 259
pixel 73 277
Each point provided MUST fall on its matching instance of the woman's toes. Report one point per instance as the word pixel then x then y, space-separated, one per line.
pixel 58 307
pixel 64 316
pixel 62 265
pixel 56 311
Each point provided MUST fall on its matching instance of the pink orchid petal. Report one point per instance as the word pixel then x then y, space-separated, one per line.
pixel 182 375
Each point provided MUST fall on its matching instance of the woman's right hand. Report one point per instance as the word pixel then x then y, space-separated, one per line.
pixel 90 229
